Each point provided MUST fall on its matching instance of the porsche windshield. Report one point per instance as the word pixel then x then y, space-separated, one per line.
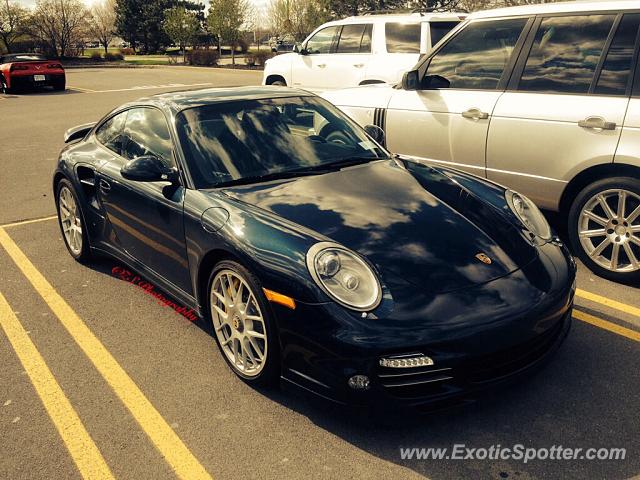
pixel 253 140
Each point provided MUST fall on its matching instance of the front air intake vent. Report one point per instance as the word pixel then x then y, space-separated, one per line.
pixel 380 118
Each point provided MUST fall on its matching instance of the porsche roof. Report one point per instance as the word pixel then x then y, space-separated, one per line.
pixel 197 98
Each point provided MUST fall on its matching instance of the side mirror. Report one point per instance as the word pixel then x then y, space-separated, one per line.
pixel 410 80
pixel 149 169
pixel 376 133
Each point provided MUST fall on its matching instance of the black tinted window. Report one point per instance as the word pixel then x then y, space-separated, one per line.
pixel 476 57
pixel 439 30
pixel 147 133
pixel 321 42
pixel 232 141
pixel 616 69
pixel 403 37
pixel 351 39
pixel 110 132
pixel 565 53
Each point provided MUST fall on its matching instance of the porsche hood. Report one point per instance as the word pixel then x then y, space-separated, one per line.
pixel 410 226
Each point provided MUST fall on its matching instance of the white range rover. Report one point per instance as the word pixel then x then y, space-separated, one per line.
pixel 544 99
pixel 360 50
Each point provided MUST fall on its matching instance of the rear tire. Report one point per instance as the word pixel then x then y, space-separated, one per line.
pixel 604 228
pixel 60 85
pixel 3 86
pixel 242 324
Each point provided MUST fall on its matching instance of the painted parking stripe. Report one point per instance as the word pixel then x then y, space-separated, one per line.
pixel 605 325
pixel 27 222
pixel 623 307
pixel 143 87
pixel 81 447
pixel 174 451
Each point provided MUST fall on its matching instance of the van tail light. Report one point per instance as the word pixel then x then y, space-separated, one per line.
pixel 18 67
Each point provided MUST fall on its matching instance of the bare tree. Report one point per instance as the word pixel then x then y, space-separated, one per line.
pixel 296 17
pixel 103 22
pixel 13 20
pixel 60 25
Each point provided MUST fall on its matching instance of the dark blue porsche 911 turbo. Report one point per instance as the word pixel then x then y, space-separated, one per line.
pixel 319 258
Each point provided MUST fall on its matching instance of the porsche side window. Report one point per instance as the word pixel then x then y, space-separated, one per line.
pixel 321 42
pixel 147 133
pixel 476 57
pixel 110 132
pixel 565 54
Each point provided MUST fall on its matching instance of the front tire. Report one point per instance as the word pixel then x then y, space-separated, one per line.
pixel 71 221
pixel 604 228
pixel 242 324
pixel 278 83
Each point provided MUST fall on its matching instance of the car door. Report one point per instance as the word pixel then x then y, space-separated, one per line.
pixel 447 118
pixel 147 217
pixel 348 65
pixel 309 68
pixel 565 105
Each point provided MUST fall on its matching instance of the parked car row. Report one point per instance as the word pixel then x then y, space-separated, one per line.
pixel 544 99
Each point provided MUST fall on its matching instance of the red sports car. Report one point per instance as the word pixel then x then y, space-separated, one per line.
pixel 30 70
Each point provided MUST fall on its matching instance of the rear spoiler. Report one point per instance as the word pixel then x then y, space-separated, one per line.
pixel 78 132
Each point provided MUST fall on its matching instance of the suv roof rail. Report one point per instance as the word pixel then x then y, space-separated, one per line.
pixel 386 12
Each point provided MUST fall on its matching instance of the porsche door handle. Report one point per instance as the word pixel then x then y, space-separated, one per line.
pixel 105 187
pixel 597 123
pixel 475 114
pixel 358 65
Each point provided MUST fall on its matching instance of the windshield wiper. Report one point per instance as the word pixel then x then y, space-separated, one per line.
pixel 298 172
pixel 264 178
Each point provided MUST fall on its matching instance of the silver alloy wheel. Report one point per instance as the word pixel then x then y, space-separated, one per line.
pixel 238 323
pixel 609 230
pixel 70 220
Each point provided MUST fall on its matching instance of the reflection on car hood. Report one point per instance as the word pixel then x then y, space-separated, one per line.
pixel 389 215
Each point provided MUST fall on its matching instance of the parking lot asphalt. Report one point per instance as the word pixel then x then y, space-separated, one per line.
pixel 101 381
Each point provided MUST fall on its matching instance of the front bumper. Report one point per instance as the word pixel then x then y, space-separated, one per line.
pixel 484 336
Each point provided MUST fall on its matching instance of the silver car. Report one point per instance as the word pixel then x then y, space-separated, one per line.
pixel 544 99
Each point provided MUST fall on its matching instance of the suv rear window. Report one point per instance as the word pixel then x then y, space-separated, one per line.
pixel 565 53
pixel 439 30
pixel 403 37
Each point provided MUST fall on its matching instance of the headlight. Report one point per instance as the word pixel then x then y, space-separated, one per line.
pixel 529 214
pixel 344 276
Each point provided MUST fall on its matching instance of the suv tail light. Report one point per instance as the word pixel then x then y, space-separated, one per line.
pixel 18 67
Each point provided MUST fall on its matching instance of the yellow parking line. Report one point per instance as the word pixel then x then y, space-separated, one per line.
pixel 83 450
pixel 27 222
pixel 174 451
pixel 612 327
pixel 623 307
